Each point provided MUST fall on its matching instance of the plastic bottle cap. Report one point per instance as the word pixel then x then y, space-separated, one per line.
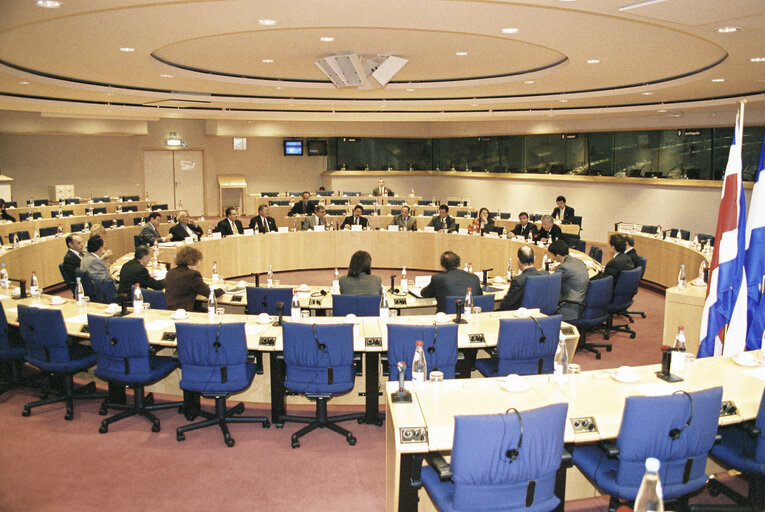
pixel 652 464
pixel 420 343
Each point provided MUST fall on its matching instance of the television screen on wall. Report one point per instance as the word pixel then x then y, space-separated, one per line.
pixel 317 147
pixel 293 147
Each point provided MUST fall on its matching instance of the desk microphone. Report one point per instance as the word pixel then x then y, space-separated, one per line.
pixel 280 312
pixel 486 277
pixel 460 305
pixel 393 288
pixel 402 395
pixel 22 287
pixel 257 280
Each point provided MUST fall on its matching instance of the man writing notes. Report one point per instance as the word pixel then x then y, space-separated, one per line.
pixel 263 222
pixel 514 295
pixel 451 282
pixel 134 271
pixel 562 212
pixel 356 219
pixel 184 229
pixel 302 207
pixel 524 228
pixel 381 189
pixel 93 264
pixel 230 225
pixel 574 282
pixel 404 220
pixel 443 220
pixel 550 231
pixel 317 219
pixel 149 233
pixel 72 259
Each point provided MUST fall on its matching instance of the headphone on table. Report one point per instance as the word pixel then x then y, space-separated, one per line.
pixel 675 432
pixel 512 453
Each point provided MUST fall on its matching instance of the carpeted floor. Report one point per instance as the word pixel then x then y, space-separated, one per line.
pixel 48 464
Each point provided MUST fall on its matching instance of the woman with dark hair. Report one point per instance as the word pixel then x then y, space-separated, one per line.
pixel 359 280
pixel 184 282
pixel 483 223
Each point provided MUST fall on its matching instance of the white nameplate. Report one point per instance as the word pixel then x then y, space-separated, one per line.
pixel 463 231
pixel 429 229
pixel 216 236
pixel 249 231
pixel 356 227
pixel 284 229
pixel 189 239
pixel 393 228
pixel 319 228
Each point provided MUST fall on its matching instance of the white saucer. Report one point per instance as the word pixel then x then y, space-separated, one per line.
pixel 57 301
pixel 523 387
pixel 440 319
pixel 698 282
pixel 749 363
pixel 177 317
pixel 633 378
pixel 304 288
pixel 263 320
pixel 498 280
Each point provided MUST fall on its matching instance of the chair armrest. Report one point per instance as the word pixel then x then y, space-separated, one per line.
pixel 751 430
pixel 612 451
pixel 437 462
pixel 491 351
pixel 566 458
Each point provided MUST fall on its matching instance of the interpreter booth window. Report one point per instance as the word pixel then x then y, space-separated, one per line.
pixel 750 150
pixel 511 153
pixel 601 154
pixel 476 154
pixel 636 154
pixel 545 154
pixel 355 153
pixel 575 151
pixel 685 153
pixel 407 154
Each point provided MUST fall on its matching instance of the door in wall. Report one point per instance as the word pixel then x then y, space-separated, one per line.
pixel 175 178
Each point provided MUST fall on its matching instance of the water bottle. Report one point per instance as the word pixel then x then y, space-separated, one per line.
pixel 34 287
pixel 60 213
pixel 404 282
pixel 59 232
pixel 468 313
pixel 649 497
pixel 211 305
pixel 86 227
pixel 419 365
pixel 36 235
pixel 79 292
pixel 137 298
pixel 703 269
pixel 509 269
pixel 209 231
pixel 678 354
pixel 4 281
pixel 295 313
pixel 546 263
pixel 384 311
pixel 470 268
pixel 215 275
pixel 681 277
pixel 15 241
pixel 659 232
pixel 270 278
pixel 561 357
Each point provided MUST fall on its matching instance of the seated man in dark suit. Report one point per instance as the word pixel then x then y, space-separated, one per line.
pixel 356 219
pixel 524 228
pixel 514 295
pixel 404 220
pixel 303 207
pixel 550 231
pixel 619 262
pixel 72 258
pixel 451 282
pixel 150 234
pixel 574 281
pixel 134 271
pixel 381 189
pixel 630 250
pixel 184 228
pixel 230 225
pixel 4 215
pixel 562 212
pixel 263 222
pixel 443 220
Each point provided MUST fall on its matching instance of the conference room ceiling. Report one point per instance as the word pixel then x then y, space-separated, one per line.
pixel 216 59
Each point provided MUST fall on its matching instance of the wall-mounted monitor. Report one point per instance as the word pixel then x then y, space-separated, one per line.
pixel 293 147
pixel 317 147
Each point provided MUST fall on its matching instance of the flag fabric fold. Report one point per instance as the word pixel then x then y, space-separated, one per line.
pixel 723 322
pixel 754 262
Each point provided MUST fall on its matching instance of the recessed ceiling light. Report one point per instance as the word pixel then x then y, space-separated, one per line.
pixel 757 59
pixel 326 39
pixel 647 93
pixel 410 90
pixel 48 4
pixel 127 49
pixel 527 82
pixel 662 110
pixel 564 101
pixel 718 80
pixel 510 30
pixel 635 5
pixel 266 22
pixel 460 54
pixel 593 61
pixel 278 87
pixel 267 61
pixel 165 75
pixel 24 82
pixel 727 30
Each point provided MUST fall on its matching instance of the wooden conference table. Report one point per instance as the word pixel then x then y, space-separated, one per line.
pixel 370 339
pixel 427 424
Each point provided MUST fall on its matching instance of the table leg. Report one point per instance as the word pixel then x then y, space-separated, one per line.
pixel 467 365
pixel 409 481
pixel 371 388
pixel 278 392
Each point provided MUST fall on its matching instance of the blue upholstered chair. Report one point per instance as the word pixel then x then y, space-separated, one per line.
pixel 485 302
pixel 214 364
pixel 123 358
pixel 524 347
pixel 440 343
pixel 594 313
pixel 542 292
pixel 319 362
pixel 624 296
pixel 647 228
pixel 12 354
pixel 677 429
pixel 579 245
pixel 502 462
pixel 99 210
pixel 264 300
pixel 596 253
pixel 49 348
pixel 77 227
pixel 22 235
pixel 67 279
pixel 48 231
pixel 40 202
pixel 359 305
pixel 681 233
pixel 642 262
pixel 103 294
pixel 154 297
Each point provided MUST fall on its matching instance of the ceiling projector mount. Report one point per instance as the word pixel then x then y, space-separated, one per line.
pixel 349 69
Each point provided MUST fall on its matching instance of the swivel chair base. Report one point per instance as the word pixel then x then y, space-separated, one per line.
pixel 220 417
pixel 141 405
pixel 753 503
pixel 70 393
pixel 583 344
pixel 321 420
pixel 610 327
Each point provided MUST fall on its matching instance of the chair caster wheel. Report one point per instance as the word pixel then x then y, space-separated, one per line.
pixel 155 427
pixel 266 424
pixel 361 421
pixel 713 492
pixel 606 336
pixel 26 412
pixel 295 443
pixel 379 422
pixel 642 315
pixel 190 417
pixel 632 336
pixel 608 349
pixel 597 356
pixel 180 437
pixel 102 411
pixel 69 415
pixel 279 425
pixel 229 442
pixel 351 440
pixel 103 429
